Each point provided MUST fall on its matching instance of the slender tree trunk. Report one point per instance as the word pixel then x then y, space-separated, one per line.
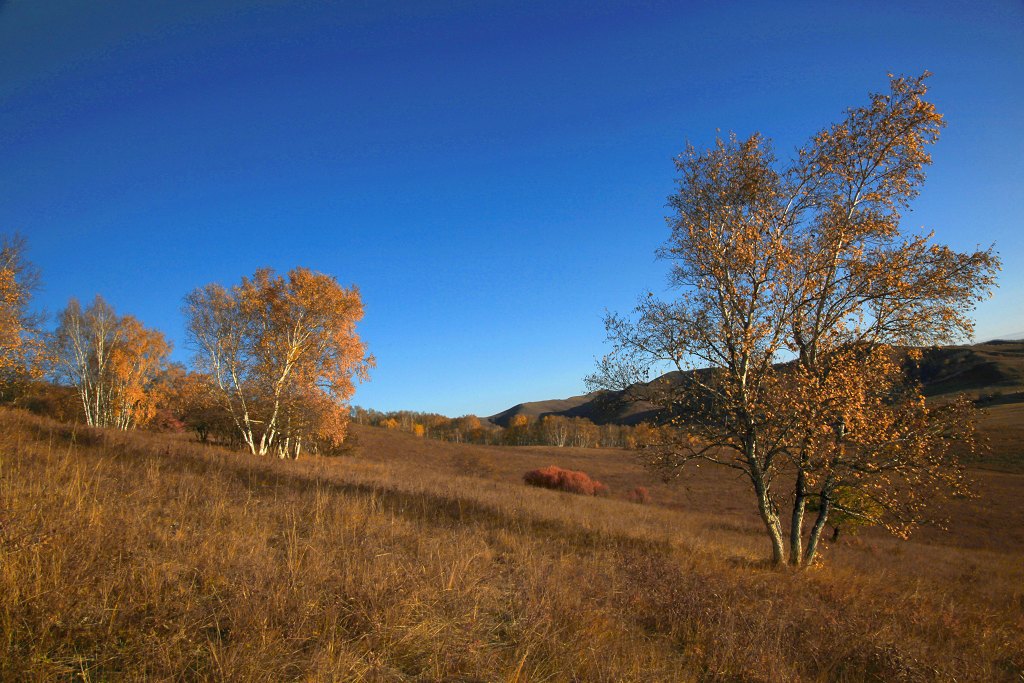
pixel 83 392
pixel 244 423
pixel 819 525
pixel 796 526
pixel 770 518
pixel 97 409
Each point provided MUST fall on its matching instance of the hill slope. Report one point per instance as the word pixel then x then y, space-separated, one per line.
pixel 134 556
pixel 599 407
pixel 995 366
pixel 987 368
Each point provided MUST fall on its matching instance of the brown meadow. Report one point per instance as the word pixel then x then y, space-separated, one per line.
pixel 141 556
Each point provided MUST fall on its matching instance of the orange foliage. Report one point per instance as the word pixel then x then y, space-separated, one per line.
pixel 190 398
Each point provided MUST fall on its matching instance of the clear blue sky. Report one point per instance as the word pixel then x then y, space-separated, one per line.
pixel 492 175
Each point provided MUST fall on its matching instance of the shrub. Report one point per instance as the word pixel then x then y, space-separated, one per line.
pixel 165 421
pixel 572 481
pixel 640 495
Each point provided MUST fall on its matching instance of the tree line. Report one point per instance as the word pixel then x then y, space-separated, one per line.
pixel 276 362
pixel 523 430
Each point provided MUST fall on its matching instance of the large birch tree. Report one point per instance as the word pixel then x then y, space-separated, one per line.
pixel 795 292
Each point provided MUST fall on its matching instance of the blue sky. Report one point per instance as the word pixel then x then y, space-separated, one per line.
pixel 492 175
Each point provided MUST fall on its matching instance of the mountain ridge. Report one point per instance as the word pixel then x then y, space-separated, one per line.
pixel 987 368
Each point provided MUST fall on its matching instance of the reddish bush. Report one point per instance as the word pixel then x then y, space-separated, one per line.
pixel 572 481
pixel 640 495
pixel 165 421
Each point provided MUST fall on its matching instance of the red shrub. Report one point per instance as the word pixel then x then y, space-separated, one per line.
pixel 640 495
pixel 572 481
pixel 165 421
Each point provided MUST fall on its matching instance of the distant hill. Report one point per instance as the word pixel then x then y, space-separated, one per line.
pixel 979 369
pixel 600 407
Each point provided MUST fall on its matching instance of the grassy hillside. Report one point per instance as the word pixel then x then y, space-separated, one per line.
pixel 137 556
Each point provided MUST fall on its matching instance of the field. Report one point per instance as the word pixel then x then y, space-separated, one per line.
pixel 139 556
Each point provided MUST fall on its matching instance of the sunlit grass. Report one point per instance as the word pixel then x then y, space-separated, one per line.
pixel 140 556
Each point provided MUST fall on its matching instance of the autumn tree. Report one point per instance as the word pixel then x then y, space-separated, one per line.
pixel 466 428
pixel 520 429
pixel 112 360
pixel 20 339
pixel 795 291
pixel 583 433
pixel 555 430
pixel 283 354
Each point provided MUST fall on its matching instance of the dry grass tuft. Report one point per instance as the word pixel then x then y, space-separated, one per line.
pixel 640 495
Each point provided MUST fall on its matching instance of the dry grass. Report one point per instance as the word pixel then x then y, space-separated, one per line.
pixel 1002 425
pixel 134 556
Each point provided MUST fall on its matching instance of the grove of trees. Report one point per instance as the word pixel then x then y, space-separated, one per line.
pixel 797 290
pixel 283 355
pixel 523 430
pixel 111 360
pixel 277 358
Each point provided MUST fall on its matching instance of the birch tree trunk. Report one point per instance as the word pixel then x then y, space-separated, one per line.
pixel 766 506
pixel 819 524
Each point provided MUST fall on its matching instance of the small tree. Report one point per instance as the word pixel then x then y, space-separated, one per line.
pixel 555 430
pixel 283 354
pixel 192 398
pixel 794 286
pixel 520 430
pixel 583 433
